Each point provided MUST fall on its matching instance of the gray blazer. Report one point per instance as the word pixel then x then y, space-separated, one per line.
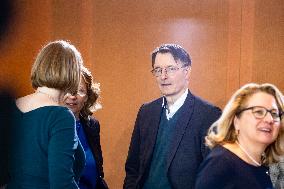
pixel 277 173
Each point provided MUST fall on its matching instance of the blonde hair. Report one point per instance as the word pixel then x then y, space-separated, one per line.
pixel 223 130
pixel 58 66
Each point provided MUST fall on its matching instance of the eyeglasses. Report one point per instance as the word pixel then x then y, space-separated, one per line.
pixel 170 70
pixel 80 93
pixel 260 112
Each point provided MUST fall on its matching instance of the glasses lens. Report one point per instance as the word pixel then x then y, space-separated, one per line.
pixel 275 115
pixel 81 92
pixel 259 112
pixel 171 70
pixel 168 70
pixel 157 72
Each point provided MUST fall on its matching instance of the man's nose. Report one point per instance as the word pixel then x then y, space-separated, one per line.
pixel 164 74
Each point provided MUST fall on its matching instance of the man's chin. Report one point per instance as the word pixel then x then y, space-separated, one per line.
pixel 166 94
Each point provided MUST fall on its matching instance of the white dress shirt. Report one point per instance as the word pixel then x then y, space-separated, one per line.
pixel 171 110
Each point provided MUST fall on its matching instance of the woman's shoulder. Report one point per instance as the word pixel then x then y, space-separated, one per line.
pixel 220 159
pixel 31 103
pixel 93 120
pixel 220 153
pixel 52 110
pixel 91 124
pixel 224 153
pixel 216 170
pixel 45 114
pixel 90 121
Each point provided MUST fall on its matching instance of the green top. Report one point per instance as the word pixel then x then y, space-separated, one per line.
pixel 43 146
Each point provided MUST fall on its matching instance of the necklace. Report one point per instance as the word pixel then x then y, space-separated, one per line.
pixel 248 155
pixel 48 95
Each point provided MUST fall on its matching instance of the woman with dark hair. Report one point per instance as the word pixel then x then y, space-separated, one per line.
pixel 83 104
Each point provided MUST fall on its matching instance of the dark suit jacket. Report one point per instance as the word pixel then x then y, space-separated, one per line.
pixel 91 128
pixel 187 144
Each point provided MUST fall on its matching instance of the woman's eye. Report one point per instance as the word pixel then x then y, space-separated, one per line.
pixel 259 112
pixel 274 114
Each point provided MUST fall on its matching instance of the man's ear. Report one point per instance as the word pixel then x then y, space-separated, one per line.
pixel 188 71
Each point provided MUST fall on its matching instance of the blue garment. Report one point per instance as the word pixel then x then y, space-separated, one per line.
pixel 89 176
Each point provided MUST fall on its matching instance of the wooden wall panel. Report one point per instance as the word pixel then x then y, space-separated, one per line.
pixel 247 39
pixel 268 46
pixel 234 48
pixel 230 42
pixel 28 31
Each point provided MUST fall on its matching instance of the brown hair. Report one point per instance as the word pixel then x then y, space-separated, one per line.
pixel 93 92
pixel 57 66
pixel 177 51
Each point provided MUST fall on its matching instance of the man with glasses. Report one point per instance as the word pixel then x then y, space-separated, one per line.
pixel 167 143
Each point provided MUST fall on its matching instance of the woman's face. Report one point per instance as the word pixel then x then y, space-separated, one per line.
pixel 76 102
pixel 252 128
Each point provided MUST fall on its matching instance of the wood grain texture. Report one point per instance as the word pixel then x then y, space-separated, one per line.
pixel 230 42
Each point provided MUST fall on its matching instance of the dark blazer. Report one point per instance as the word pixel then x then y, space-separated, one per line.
pixel 187 144
pixel 91 128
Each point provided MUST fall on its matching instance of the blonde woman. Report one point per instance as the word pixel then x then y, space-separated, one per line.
pixel 245 140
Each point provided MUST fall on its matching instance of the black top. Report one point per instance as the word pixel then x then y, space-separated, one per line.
pixel 223 169
pixel 91 127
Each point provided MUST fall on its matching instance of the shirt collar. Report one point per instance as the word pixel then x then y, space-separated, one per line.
pixel 170 111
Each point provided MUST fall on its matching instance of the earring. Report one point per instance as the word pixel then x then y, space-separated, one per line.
pixel 237 132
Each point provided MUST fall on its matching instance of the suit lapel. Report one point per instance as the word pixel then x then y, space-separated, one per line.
pixel 180 127
pixel 154 121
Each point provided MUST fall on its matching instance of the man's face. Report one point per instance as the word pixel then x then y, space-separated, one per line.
pixel 173 80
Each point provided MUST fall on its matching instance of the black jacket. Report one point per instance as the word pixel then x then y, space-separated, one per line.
pixel 187 144
pixel 91 128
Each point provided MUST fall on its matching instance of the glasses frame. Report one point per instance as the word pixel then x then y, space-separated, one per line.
pixel 81 94
pixel 275 119
pixel 173 70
